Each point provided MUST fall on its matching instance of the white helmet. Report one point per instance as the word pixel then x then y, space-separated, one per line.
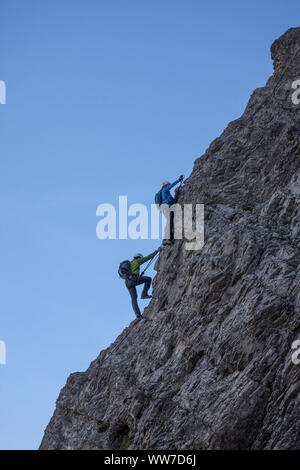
pixel 138 255
pixel 165 183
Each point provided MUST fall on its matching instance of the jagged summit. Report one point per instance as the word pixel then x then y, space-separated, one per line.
pixel 210 366
pixel 284 49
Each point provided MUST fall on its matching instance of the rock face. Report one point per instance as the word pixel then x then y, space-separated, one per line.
pixel 210 365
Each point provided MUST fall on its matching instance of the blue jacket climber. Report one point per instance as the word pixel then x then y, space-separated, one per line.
pixel 164 200
pixel 166 196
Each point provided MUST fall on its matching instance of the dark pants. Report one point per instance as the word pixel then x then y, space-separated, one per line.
pixel 172 226
pixel 169 231
pixel 131 286
pixel 170 221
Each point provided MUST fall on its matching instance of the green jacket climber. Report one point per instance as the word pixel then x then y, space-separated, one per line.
pixel 136 262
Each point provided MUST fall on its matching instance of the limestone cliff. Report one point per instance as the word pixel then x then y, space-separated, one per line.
pixel 209 367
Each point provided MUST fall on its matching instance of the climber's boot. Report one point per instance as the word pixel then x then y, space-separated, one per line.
pixel 146 296
pixel 167 242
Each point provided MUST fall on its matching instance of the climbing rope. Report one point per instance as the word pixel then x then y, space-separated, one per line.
pixel 115 348
pixel 118 346
pixel 123 339
pixel 149 264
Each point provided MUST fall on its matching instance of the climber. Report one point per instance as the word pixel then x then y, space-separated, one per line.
pixel 164 201
pixel 134 279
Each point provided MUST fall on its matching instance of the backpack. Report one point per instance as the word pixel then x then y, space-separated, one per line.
pixel 158 198
pixel 125 269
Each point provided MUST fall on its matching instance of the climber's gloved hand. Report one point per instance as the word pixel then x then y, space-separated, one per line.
pixel 181 177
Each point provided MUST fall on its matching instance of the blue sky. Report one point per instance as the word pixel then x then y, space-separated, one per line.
pixel 104 98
